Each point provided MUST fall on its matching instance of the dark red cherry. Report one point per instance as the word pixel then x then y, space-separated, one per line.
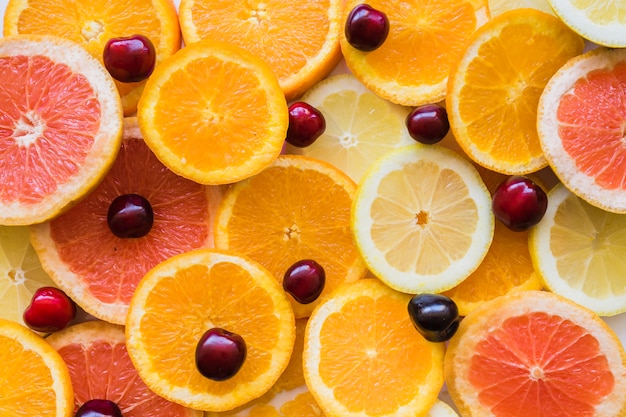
pixel 305 281
pixel 428 123
pixel 306 124
pixel 435 316
pixel 366 28
pixel 99 408
pixel 220 354
pixel 129 59
pixel 130 215
pixel 50 310
pixel 519 203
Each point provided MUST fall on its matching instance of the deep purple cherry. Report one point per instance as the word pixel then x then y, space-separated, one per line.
pixel 130 215
pixel 50 310
pixel 305 281
pixel 366 28
pixel 435 316
pixel 220 354
pixel 130 58
pixel 519 203
pixel 306 124
pixel 428 123
pixel 99 408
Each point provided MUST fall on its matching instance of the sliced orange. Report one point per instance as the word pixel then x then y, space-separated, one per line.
pixel 300 40
pixel 60 126
pixel 35 380
pixel 363 357
pixel 535 354
pixel 92 24
pixel 299 208
pixel 425 39
pixel 494 89
pixel 188 294
pixel 214 113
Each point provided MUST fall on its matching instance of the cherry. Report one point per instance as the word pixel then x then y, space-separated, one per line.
pixel 129 59
pixel 428 123
pixel 130 215
pixel 366 28
pixel 435 316
pixel 519 203
pixel 306 124
pixel 220 354
pixel 50 310
pixel 305 280
pixel 99 408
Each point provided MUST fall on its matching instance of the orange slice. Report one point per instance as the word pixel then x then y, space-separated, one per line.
pixel 99 366
pixel 214 113
pixel 60 126
pixel 35 380
pixel 535 354
pixel 363 357
pixel 92 24
pixel 100 270
pixel 300 40
pixel 299 208
pixel 181 298
pixel 494 89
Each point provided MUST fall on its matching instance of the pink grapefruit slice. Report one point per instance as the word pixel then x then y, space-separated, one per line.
pixel 60 126
pixel 100 270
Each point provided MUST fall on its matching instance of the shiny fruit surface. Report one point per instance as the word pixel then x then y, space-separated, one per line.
pixel 130 215
pixel 220 354
pixel 99 408
pixel 305 281
pixel 129 59
pixel 519 203
pixel 50 310
pixel 428 124
pixel 306 124
pixel 366 28
pixel 435 316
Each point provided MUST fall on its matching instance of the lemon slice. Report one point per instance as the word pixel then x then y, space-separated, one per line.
pixel 422 218
pixel 497 7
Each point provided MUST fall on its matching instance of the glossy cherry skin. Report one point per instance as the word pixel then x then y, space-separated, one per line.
pixel 305 281
pixel 366 28
pixel 519 203
pixel 220 354
pixel 130 215
pixel 129 59
pixel 435 316
pixel 428 123
pixel 50 310
pixel 306 124
pixel 99 408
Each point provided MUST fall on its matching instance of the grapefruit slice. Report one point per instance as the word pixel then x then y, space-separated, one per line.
pixel 60 126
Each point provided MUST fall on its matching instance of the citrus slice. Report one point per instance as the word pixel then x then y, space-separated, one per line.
pixel 535 354
pixel 360 126
pixel 580 122
pixel 100 369
pixel 300 40
pixel 100 270
pixel 601 22
pixel 60 126
pixel 497 7
pixel 441 409
pixel 579 251
pixel 298 208
pixel 35 380
pixel 214 113
pixel 363 357
pixel 188 294
pixel 494 89
pixel 92 24
pixel 422 218
pixel 436 32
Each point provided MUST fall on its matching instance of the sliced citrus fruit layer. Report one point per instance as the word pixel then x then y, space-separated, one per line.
pixel 214 113
pixel 300 40
pixel 60 126
pixel 422 218
pixel 363 357
pixel 100 270
pixel 188 294
pixel 580 252
pixel 92 24
pixel 497 7
pixel 535 354
pixel 580 122
pixel 360 126
pixel 494 89
pixel 441 409
pixel 100 369
pixel 436 33
pixel 298 208
pixel 35 380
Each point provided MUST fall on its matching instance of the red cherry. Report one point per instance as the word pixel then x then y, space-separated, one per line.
pixel 50 310
pixel 306 124
pixel 366 28
pixel 519 203
pixel 428 124
pixel 129 59
pixel 305 281
pixel 130 215
pixel 220 354
pixel 99 408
